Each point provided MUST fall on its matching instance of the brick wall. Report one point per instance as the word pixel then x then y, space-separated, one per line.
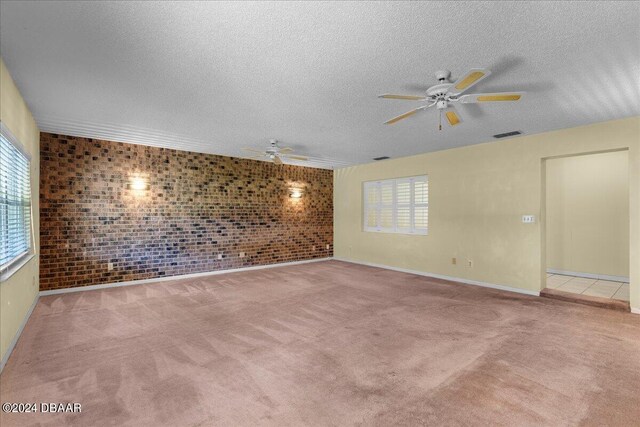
pixel 196 207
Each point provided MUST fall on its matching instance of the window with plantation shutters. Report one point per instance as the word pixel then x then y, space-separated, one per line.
pixel 15 202
pixel 397 205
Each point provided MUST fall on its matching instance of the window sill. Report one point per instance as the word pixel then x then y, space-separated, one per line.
pixel 15 266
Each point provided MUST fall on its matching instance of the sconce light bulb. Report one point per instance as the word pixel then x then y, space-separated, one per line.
pixel 295 193
pixel 139 184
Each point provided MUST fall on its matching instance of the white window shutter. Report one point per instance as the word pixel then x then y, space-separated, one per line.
pixel 421 205
pixel 371 205
pixel 397 205
pixel 386 220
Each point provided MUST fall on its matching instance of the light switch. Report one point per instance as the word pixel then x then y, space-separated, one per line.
pixel 528 219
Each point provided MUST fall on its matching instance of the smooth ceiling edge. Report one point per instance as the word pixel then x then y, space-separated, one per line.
pixel 140 136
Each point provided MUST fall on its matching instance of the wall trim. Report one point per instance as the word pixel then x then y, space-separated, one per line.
pixel 441 276
pixel 177 277
pixel 635 310
pixel 16 337
pixel 589 275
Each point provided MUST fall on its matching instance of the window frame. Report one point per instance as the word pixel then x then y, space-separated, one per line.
pixel 378 205
pixel 12 266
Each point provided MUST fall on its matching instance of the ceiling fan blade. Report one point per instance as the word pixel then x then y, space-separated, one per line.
pixel 286 149
pixel 473 77
pixel 296 157
pixel 277 160
pixel 405 97
pixel 253 150
pixel 452 117
pixel 491 97
pixel 404 116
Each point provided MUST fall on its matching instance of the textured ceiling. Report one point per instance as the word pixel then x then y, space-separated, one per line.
pixel 215 77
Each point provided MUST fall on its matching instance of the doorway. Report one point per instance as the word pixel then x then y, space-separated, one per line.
pixel 586 210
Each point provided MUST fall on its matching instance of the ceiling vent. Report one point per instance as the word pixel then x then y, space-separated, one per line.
pixel 506 134
pixel 381 158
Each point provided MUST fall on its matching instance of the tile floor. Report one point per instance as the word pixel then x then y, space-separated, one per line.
pixel 591 287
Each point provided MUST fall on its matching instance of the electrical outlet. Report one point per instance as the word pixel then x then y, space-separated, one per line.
pixel 242 254
pixel 469 263
pixel 454 261
pixel 219 256
pixel 110 266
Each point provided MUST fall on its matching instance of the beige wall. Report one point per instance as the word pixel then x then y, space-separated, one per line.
pixel 18 293
pixel 477 195
pixel 587 223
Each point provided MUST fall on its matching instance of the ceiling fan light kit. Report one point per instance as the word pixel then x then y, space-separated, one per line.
pixel 445 94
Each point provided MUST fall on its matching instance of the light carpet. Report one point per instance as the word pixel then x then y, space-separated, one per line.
pixel 327 343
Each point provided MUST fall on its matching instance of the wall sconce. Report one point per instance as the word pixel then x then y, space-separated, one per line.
pixel 296 193
pixel 138 184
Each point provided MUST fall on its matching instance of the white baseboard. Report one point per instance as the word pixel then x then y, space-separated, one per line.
pixel 441 276
pixel 179 277
pixel 16 337
pixel 589 275
pixel 635 310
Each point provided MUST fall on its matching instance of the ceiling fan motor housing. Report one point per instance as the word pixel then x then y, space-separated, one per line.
pixel 438 91
pixel 273 148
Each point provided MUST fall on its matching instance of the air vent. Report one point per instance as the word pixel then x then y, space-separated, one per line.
pixel 381 158
pixel 506 134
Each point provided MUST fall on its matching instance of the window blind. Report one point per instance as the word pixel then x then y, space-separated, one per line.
pixel 15 202
pixel 397 205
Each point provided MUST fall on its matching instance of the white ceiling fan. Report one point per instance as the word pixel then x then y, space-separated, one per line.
pixel 274 153
pixel 445 94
